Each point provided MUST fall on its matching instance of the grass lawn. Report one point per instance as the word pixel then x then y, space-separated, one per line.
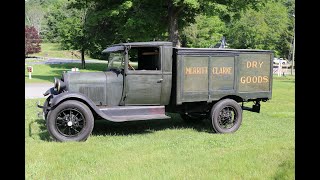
pixel 53 50
pixel 263 147
pixel 46 72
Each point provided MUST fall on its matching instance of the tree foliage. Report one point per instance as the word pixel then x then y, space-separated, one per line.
pixel 32 41
pixel 114 21
pixel 91 25
pixel 263 29
pixel 206 32
pixel 35 11
pixel 57 12
pixel 66 25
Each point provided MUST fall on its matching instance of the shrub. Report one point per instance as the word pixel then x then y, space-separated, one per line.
pixel 32 41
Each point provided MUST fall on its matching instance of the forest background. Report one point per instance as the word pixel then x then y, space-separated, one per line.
pixel 89 26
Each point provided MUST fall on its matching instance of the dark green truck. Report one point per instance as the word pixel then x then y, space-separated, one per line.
pixel 148 80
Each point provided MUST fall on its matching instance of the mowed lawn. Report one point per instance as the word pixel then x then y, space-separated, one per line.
pixel 49 50
pixel 44 73
pixel 263 147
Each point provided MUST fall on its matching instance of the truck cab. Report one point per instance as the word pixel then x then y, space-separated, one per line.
pixel 147 71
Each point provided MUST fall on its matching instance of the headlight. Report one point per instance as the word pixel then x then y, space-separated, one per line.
pixel 58 84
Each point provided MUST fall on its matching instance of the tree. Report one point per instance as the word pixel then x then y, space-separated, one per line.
pixel 205 32
pixel 113 21
pixel 72 32
pixel 34 14
pixel 183 12
pixel 264 29
pixel 32 41
pixel 66 25
pixel 57 12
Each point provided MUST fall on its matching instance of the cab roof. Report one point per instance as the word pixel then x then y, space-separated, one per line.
pixel 120 46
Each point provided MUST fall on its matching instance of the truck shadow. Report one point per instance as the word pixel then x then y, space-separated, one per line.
pixel 107 128
pixel 41 130
pixel 103 127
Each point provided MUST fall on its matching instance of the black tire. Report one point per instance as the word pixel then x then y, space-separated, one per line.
pixel 62 128
pixel 226 116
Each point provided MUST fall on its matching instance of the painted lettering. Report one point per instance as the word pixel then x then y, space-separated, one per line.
pixel 243 79
pixel 254 64
pixel 254 79
pixel 265 78
pixel 248 79
pixel 221 70
pixel 260 64
pixel 188 70
pixel 196 70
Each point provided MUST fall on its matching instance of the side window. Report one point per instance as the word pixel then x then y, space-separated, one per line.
pixel 145 58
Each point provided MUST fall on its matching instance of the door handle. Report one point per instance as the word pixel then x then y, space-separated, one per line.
pixel 160 80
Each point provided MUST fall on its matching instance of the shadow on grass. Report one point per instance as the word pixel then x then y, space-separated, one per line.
pixel 103 127
pixel 107 128
pixel 43 134
pixel 285 170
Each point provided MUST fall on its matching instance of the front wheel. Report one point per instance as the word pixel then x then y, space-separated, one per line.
pixel 70 121
pixel 226 116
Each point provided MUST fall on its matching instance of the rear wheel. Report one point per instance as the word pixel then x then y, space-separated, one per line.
pixel 226 116
pixel 70 121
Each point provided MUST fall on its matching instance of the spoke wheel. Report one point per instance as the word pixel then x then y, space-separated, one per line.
pixel 226 116
pixel 70 121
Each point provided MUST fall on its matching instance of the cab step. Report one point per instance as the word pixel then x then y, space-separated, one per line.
pixel 134 113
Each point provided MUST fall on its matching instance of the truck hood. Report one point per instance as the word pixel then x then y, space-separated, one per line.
pixel 103 88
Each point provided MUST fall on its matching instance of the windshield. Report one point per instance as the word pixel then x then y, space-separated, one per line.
pixel 116 60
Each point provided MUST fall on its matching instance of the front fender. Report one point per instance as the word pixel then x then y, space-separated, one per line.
pixel 70 95
pixel 80 97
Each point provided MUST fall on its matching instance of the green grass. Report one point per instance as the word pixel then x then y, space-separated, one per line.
pixel 263 147
pixel 53 50
pixel 46 72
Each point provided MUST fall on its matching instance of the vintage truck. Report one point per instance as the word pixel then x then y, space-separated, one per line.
pixel 150 80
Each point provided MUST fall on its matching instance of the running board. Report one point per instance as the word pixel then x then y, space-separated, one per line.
pixel 133 113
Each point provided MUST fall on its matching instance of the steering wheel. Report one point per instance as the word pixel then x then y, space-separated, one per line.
pixel 130 67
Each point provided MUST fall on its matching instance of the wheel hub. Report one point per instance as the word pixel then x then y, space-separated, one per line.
pixel 226 119
pixel 69 123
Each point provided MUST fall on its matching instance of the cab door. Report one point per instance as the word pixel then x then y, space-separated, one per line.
pixel 143 76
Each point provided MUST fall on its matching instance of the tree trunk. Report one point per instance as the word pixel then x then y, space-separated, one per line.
pixel 82 59
pixel 173 25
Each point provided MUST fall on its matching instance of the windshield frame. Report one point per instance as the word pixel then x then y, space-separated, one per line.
pixel 117 57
